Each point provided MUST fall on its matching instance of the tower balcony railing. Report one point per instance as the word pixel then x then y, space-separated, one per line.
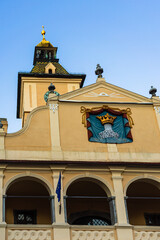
pixel 79 232
pixel 29 232
pixel 93 232
pixel 146 232
pixel 46 232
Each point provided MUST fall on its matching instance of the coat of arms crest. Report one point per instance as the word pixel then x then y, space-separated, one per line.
pixel 108 125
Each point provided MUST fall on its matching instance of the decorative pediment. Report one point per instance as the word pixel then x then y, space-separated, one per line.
pixel 104 92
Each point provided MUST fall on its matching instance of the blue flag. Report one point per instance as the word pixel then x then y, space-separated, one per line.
pixel 58 189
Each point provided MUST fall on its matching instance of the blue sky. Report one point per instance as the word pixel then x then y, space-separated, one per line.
pixel 122 35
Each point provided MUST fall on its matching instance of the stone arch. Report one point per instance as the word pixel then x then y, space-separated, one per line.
pixel 96 201
pixel 142 198
pixel 101 182
pixel 152 179
pixel 35 177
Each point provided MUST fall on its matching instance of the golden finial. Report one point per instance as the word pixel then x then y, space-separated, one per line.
pixel 43 32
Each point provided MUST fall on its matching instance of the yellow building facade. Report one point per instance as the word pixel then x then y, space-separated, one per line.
pixel 97 148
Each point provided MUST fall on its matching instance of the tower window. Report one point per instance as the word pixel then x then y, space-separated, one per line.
pixel 50 71
pixel 46 55
pixel 50 55
pixel 38 53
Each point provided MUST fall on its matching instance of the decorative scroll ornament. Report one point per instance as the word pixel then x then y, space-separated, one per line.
pixel 93 235
pixel 157 109
pixel 53 107
pixel 139 235
pixel 29 234
pixel 108 125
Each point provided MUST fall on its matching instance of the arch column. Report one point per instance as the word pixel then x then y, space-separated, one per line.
pixel 112 210
pixel 120 205
pixel 1 197
pixel 157 113
pixel 124 230
pixel 59 216
pixel 52 209
pixel 2 207
pixel 2 147
pixel 61 228
pixel 54 122
pixel 1 193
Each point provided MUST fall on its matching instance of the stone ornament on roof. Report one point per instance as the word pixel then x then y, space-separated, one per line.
pixel 153 91
pixel 51 89
pixel 44 42
pixel 99 71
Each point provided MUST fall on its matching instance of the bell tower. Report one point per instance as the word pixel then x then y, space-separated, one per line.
pixel 44 51
pixel 46 70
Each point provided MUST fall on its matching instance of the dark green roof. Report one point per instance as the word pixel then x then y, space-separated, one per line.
pixel 40 68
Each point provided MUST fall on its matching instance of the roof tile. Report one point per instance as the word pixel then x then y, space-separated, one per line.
pixel 40 68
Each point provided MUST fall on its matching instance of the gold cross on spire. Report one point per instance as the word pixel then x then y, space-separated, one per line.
pixel 43 32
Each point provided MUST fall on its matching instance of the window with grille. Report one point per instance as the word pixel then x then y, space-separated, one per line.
pixel 92 220
pixel 25 217
pixel 152 219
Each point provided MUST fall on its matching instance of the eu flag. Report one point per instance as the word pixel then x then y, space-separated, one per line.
pixel 58 189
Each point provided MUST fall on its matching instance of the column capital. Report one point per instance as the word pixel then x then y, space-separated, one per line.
pixel 56 176
pixel 2 133
pixel 111 198
pixel 117 177
pixel 57 169
pixel 157 108
pixel 115 169
pixel 52 99
pixel 2 168
pixel 52 196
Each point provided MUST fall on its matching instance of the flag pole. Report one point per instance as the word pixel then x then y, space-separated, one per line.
pixel 58 192
pixel 60 206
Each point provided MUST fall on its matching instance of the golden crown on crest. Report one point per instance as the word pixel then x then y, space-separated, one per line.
pixel 106 119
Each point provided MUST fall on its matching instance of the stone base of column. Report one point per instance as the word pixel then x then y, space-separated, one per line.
pixel 3 231
pixel 61 232
pixel 124 231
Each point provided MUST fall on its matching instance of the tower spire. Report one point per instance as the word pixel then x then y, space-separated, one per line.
pixel 43 33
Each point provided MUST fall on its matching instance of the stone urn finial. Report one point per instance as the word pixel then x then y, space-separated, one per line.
pixel 153 91
pixel 99 71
